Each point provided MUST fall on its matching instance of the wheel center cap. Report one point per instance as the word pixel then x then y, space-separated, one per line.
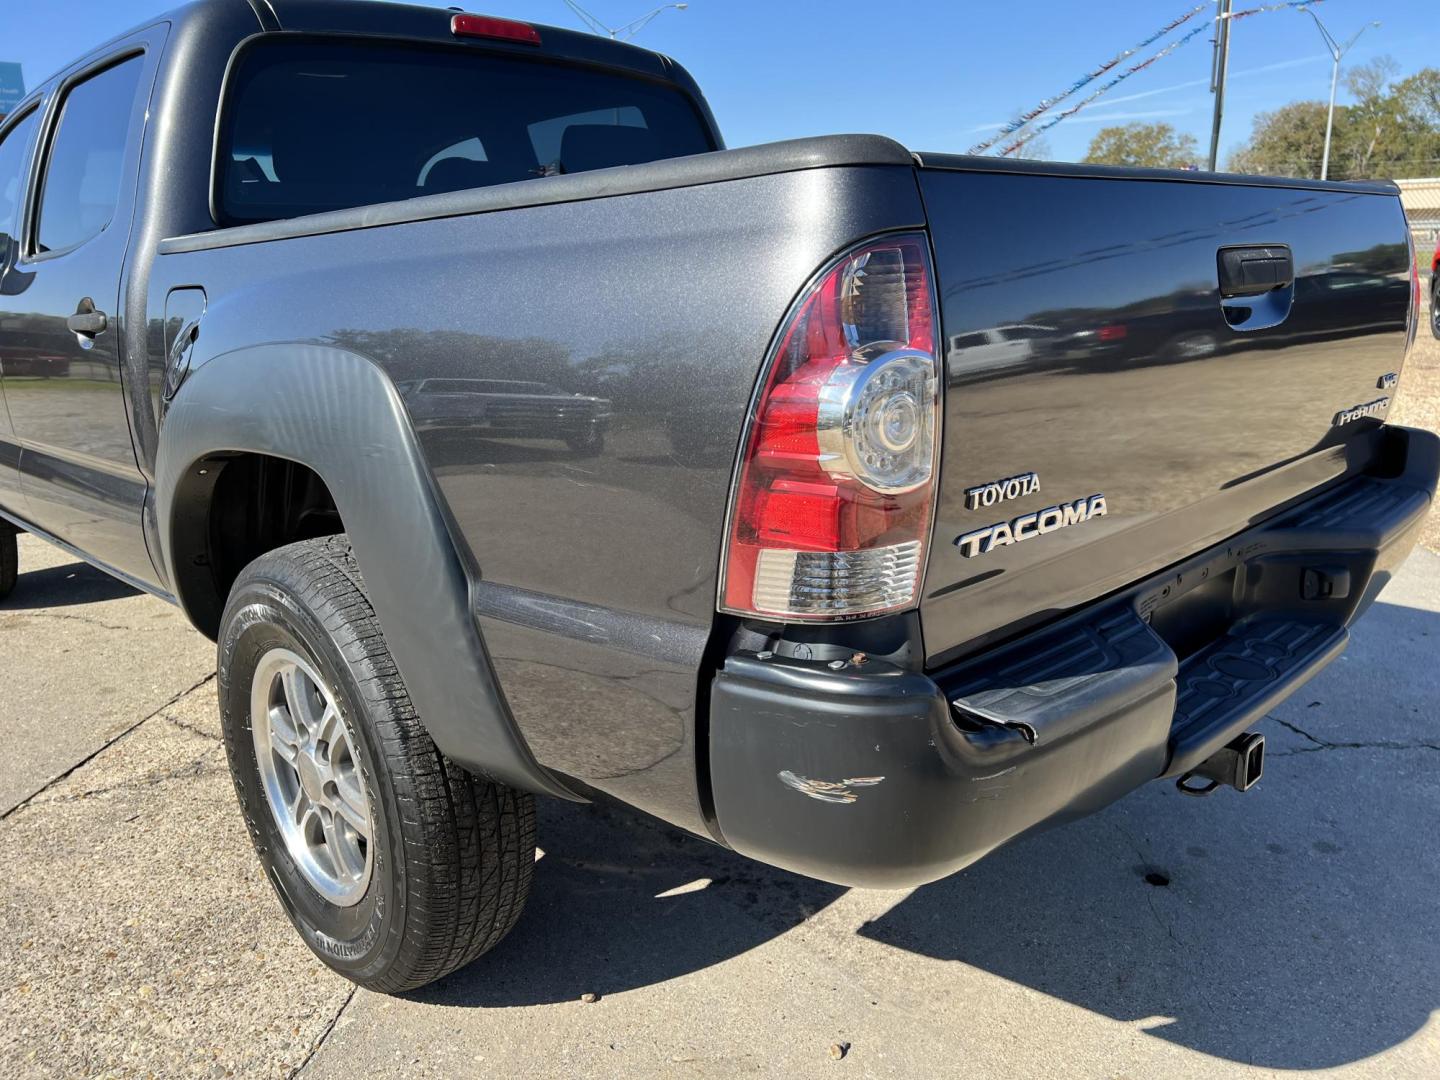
pixel 310 778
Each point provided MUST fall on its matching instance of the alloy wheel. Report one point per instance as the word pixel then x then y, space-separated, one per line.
pixel 311 776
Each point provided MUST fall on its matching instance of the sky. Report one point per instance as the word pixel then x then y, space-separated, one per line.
pixel 937 75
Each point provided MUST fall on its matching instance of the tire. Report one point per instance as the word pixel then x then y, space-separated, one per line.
pixel 449 857
pixel 1435 304
pixel 9 558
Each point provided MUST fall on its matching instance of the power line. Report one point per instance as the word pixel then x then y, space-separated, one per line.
pixel 1027 117
pixel 1166 51
pixel 1084 80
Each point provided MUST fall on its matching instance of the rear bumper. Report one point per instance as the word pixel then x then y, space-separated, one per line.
pixel 873 775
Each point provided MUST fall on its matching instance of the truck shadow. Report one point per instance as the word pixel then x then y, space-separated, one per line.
pixel 599 918
pixel 63 586
pixel 1294 927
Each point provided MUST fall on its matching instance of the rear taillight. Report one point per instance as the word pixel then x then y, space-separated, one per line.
pixel 833 500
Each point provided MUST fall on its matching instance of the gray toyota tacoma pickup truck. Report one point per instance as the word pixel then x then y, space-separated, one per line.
pixel 859 510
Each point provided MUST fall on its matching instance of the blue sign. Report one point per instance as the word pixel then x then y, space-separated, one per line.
pixel 12 87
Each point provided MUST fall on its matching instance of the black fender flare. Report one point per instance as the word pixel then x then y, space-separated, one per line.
pixel 337 413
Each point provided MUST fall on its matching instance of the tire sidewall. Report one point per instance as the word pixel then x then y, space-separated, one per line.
pixel 360 941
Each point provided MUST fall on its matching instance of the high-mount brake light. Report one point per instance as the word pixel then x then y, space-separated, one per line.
pixel 485 26
pixel 833 500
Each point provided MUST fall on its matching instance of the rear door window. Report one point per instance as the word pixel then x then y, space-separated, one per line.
pixel 14 155
pixel 83 170
pixel 314 125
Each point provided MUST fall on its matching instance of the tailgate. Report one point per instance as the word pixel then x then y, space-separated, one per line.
pixel 1088 354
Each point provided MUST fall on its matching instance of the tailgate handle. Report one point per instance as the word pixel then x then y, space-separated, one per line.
pixel 1254 271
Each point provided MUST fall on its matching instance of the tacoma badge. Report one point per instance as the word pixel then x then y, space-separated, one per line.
pixel 1028 526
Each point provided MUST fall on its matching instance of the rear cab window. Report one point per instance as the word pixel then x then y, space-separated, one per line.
pixel 315 125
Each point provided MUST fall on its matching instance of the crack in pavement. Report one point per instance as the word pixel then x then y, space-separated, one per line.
pixel 1150 892
pixel 117 737
pixel 189 771
pixel 20 616
pixel 191 728
pixel 320 1040
pixel 1326 744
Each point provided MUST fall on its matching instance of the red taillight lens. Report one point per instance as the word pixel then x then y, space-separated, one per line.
pixel 832 505
pixel 483 26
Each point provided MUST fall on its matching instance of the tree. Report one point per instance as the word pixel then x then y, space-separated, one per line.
pixel 1148 145
pixel 1036 147
pixel 1420 96
pixel 1288 141
pixel 1375 129
pixel 1391 129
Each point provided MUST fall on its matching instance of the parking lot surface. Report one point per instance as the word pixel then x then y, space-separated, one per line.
pixel 1293 928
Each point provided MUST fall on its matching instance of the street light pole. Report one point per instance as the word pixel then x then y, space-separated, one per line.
pixel 1330 116
pixel 1337 52
pixel 620 33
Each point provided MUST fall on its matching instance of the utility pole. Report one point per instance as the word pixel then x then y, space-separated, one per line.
pixel 1218 73
pixel 1337 53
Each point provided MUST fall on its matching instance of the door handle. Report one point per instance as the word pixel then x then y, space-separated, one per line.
pixel 87 321
pixel 1257 285
pixel 1254 271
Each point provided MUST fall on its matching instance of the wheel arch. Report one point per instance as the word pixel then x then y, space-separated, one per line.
pixel 336 415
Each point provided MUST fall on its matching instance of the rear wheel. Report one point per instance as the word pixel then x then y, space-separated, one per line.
pixel 9 558
pixel 396 866
pixel 1435 304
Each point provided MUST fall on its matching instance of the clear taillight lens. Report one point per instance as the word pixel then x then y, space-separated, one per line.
pixel 832 505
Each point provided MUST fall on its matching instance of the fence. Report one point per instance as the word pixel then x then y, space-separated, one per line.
pixel 1421 199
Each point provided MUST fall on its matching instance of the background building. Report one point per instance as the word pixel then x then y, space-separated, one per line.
pixel 1421 199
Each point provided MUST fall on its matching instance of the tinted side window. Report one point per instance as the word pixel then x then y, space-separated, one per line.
pixel 324 125
pixel 14 153
pixel 82 173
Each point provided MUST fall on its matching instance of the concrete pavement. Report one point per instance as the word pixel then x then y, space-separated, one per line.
pixel 1293 928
